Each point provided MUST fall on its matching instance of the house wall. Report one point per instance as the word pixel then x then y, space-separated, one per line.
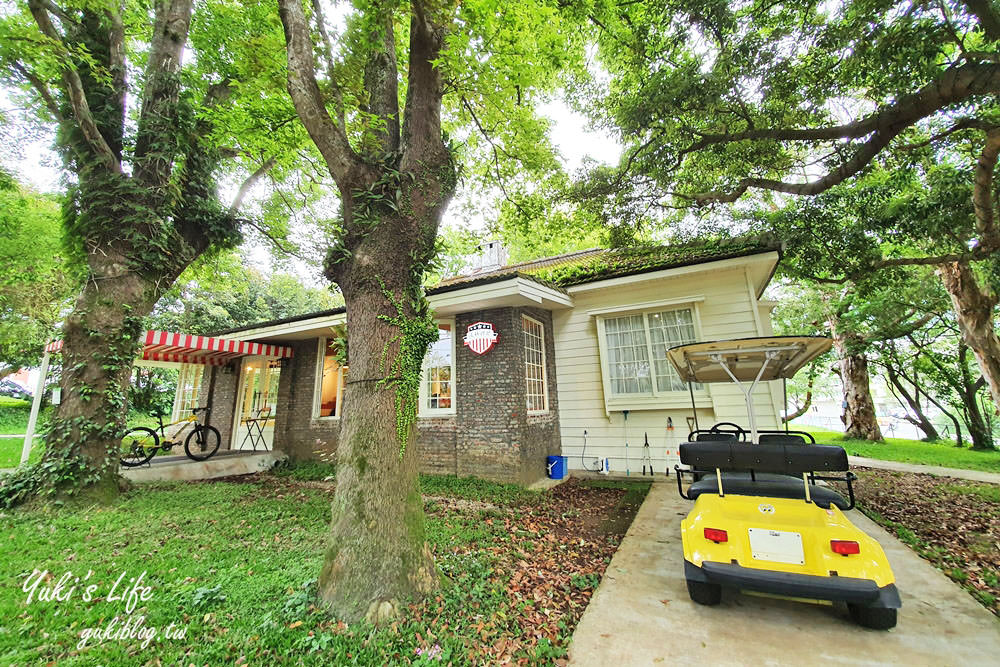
pixel 489 436
pixel 728 310
pixel 296 432
pixel 222 398
pixel 495 437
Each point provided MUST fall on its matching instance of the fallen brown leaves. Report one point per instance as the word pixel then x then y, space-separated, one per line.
pixel 549 569
pixel 953 523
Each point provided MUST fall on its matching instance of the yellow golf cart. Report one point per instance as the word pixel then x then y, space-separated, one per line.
pixel 762 518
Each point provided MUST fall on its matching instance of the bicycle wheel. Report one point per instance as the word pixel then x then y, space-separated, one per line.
pixel 202 443
pixel 138 446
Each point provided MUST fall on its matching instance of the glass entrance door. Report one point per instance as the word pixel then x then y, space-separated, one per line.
pixel 257 404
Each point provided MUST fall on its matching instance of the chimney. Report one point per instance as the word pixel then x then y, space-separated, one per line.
pixel 492 256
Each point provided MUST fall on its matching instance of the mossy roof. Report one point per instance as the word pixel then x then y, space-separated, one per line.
pixel 595 264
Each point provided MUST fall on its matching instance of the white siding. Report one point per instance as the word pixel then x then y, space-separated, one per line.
pixel 728 309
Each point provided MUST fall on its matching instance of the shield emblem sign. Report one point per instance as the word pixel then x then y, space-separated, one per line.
pixel 480 337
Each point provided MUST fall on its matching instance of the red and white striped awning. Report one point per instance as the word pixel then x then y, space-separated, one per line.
pixel 188 349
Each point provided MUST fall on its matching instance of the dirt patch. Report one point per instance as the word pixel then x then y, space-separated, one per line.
pixel 953 523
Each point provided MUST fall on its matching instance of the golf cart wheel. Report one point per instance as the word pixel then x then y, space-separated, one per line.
pixel 876 618
pixel 704 593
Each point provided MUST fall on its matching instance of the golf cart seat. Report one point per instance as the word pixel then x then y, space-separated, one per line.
pixel 769 486
pixel 715 437
pixel 776 469
pixel 781 439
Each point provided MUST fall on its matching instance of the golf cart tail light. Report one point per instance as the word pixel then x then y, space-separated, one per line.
pixel 845 547
pixel 716 535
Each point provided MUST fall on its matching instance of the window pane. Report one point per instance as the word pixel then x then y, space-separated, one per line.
pixel 437 370
pixel 534 366
pixel 628 362
pixel 189 388
pixel 331 389
pixel 667 329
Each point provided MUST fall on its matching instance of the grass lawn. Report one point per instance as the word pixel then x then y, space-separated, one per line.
pixel 233 565
pixel 912 451
pixel 14 415
pixel 14 420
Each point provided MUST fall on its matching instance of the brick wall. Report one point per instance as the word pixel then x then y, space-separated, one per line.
pixel 222 382
pixel 541 435
pixel 436 441
pixel 295 430
pixel 490 436
pixel 490 405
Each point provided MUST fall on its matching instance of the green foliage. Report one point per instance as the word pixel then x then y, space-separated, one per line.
pixel 14 417
pixel 305 470
pixel 36 282
pixel 221 292
pixel 688 78
pixel 152 390
pixel 986 492
pixel 473 488
pixel 255 596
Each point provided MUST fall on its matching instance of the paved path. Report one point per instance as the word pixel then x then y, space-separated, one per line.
pixel 641 613
pixel 974 475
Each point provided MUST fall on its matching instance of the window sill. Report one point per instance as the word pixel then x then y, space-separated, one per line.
pixel 329 418
pixel 435 415
pixel 619 403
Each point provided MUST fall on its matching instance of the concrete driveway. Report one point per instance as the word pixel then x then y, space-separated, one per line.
pixel 641 613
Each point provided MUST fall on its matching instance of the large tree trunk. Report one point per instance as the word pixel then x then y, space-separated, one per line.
pixel 974 311
pixel 912 402
pixel 100 339
pixel 378 554
pixel 859 413
pixel 859 409
pixel 978 430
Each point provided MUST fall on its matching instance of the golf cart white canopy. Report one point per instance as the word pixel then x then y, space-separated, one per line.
pixel 746 361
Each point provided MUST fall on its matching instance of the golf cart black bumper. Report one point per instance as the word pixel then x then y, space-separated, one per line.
pixel 844 589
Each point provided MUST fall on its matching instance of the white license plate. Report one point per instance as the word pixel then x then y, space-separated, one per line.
pixel 777 546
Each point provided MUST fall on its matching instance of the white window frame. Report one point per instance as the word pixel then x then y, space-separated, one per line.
pixel 423 410
pixel 188 374
pixel 545 375
pixel 654 399
pixel 318 383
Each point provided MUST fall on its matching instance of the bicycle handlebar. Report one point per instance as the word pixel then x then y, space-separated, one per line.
pixel 205 409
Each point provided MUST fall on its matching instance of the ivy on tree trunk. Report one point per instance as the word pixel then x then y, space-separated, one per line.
pixel 134 219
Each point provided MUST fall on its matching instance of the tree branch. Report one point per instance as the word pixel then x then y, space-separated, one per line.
pixel 328 137
pixel 155 143
pixel 422 115
pixel 40 87
pixel 988 18
pixel 982 191
pixel 380 75
pixel 327 50
pixel 74 90
pixel 967 123
pixel 117 65
pixel 248 184
pixel 952 86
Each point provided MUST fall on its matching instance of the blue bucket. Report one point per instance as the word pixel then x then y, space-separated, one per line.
pixel 556 466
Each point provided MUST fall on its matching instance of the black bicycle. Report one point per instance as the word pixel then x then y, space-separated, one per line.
pixel 140 444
